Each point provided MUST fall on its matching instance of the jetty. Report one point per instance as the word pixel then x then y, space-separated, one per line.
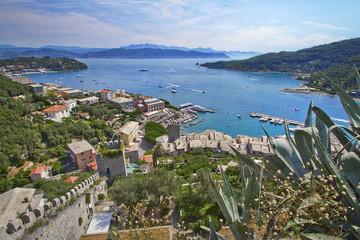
pixel 275 119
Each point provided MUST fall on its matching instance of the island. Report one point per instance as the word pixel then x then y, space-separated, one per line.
pixel 27 65
pixel 335 61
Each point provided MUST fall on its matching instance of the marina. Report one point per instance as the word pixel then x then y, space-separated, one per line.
pixel 275 120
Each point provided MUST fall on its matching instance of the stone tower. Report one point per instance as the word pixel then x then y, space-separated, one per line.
pixel 111 166
pixel 173 131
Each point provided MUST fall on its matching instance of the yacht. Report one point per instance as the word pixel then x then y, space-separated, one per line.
pixel 173 90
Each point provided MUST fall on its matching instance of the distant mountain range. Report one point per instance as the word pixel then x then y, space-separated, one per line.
pixel 139 51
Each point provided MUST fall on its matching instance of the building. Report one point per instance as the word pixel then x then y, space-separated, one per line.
pixel 81 153
pixel 71 179
pixel 72 93
pixel 57 112
pixel 22 80
pixel 40 172
pixel 70 103
pixel 126 104
pixel 38 89
pixel 88 100
pixel 128 132
pixel 153 104
pixel 173 131
pixel 107 94
pixel 112 166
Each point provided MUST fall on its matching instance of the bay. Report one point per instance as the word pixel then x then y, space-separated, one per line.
pixel 228 93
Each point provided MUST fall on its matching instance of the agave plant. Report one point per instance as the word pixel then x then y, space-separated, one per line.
pixel 305 157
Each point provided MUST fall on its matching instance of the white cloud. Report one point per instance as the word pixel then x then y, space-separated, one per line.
pixel 322 25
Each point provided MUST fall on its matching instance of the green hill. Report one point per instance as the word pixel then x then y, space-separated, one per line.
pixel 335 60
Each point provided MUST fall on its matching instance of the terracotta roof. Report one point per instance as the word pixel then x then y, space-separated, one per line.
pixel 91 166
pixel 71 179
pixel 38 170
pixel 37 113
pixel 105 91
pixel 55 108
pixel 146 158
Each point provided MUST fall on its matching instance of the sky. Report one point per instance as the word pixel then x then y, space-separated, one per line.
pixel 243 25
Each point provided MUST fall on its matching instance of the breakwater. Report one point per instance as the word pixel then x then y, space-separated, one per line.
pixel 276 119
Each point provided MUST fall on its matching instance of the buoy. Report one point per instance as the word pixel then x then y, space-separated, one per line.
pixel 228 125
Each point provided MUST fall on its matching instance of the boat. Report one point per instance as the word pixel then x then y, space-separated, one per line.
pixel 239 115
pixel 81 81
pixel 160 85
pixel 143 70
pixel 203 91
pixel 296 109
pixel 79 76
pixel 173 90
pixel 199 108
pixel 228 125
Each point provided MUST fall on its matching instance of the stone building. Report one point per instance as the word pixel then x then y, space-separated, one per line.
pixel 57 112
pixel 112 166
pixel 173 131
pixel 128 132
pixel 81 153
pixel 153 104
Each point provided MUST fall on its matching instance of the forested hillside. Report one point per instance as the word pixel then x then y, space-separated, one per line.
pixel 335 60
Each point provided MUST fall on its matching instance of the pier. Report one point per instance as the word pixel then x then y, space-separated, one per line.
pixel 276 119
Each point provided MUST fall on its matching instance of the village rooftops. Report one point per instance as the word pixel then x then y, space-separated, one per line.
pixel 105 91
pixel 120 100
pixel 79 147
pixel 71 179
pixel 38 170
pixel 129 127
pixel 56 108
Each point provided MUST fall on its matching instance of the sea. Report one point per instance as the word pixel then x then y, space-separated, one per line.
pixel 228 93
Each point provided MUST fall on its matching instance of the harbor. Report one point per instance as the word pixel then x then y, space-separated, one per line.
pixel 275 120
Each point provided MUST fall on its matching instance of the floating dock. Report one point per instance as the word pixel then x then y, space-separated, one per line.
pixel 279 120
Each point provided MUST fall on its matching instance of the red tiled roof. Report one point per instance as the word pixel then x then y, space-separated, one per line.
pixel 71 179
pixel 146 158
pixel 37 113
pixel 38 170
pixel 55 108
pixel 91 166
pixel 105 91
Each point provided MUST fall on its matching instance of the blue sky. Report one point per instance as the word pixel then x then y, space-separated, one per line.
pixel 245 25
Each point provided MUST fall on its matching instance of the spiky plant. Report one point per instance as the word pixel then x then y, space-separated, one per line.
pixel 299 166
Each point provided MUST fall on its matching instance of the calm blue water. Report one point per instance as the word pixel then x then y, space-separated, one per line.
pixel 227 92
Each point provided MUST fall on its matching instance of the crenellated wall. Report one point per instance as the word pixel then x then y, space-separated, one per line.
pixel 18 226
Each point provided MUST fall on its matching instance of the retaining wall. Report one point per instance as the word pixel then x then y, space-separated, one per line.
pixel 65 224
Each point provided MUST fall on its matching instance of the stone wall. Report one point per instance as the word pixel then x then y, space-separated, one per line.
pixel 62 220
pixel 111 166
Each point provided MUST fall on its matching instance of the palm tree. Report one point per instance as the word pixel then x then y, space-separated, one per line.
pixel 158 151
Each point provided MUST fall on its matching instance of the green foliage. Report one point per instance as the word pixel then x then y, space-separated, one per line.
pixel 334 59
pixel 154 130
pixel 156 187
pixel 54 64
pixel 87 198
pixel 101 196
pixel 80 220
pixel 105 151
pixel 8 88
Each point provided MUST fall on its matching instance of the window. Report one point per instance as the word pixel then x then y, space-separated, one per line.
pixel 82 154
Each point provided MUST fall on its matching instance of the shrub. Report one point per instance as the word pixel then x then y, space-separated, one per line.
pixel 101 196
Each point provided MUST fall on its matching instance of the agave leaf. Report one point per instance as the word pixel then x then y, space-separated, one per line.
pixel 251 164
pixel 329 123
pixel 228 188
pixel 251 192
pixel 287 133
pixel 351 165
pixel 324 136
pixel 356 231
pixel 319 236
pixel 287 154
pixel 340 179
pixel 309 201
pixel 350 106
pixel 212 230
pixel 308 121
pixel 220 200
pixel 357 76
pixel 297 221
pixel 304 142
